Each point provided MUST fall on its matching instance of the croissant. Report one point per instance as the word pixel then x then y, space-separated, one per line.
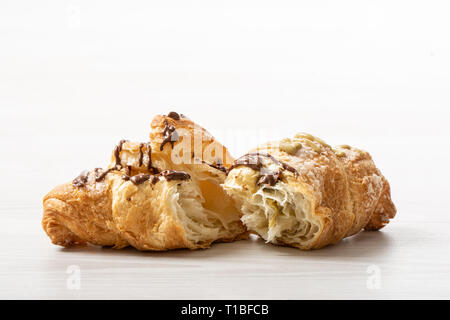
pixel 300 192
pixel 159 195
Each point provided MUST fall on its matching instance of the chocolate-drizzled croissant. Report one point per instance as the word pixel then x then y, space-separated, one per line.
pixel 148 199
pixel 300 192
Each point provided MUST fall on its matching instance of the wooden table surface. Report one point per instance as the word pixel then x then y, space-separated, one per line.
pixel 78 76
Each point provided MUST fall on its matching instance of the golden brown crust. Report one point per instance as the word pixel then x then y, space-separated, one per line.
pixel 151 215
pixel 192 143
pixel 75 216
pixel 384 210
pixel 118 213
pixel 370 191
pixel 344 190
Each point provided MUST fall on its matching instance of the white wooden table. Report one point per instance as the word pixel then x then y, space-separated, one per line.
pixel 77 77
pixel 411 256
pixel 407 258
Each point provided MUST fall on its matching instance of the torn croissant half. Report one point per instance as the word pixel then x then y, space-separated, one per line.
pixel 149 197
pixel 301 192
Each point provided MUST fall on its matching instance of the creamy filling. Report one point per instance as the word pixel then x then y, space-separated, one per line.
pixel 279 216
pixel 198 211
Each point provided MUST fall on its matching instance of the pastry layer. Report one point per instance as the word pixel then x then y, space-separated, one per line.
pixel 303 193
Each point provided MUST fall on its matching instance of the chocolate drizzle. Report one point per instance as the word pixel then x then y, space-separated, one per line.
pixel 174 115
pixel 81 180
pixel 270 179
pixel 117 151
pixel 254 161
pixel 153 176
pixel 175 175
pixel 150 166
pixel 251 160
pixel 138 179
pixel 100 176
pixel 141 178
pixel 149 153
pixel 141 154
pixel 170 134
pixel 289 168
pixel 218 165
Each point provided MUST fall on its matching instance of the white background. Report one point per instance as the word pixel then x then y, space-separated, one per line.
pixel 78 76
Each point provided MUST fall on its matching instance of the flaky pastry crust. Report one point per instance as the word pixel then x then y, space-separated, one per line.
pixel 146 198
pixel 303 193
